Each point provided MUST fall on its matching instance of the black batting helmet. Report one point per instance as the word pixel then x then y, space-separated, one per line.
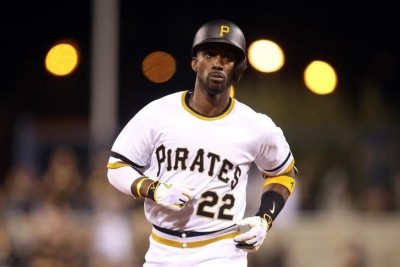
pixel 223 31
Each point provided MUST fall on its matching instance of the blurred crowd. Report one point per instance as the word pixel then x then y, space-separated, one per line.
pixel 63 217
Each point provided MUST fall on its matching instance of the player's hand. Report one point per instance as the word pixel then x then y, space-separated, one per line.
pixel 252 239
pixel 172 196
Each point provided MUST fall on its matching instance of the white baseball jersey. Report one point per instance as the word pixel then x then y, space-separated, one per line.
pixel 175 145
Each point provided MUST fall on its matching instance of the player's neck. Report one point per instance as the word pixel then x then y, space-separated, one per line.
pixel 209 105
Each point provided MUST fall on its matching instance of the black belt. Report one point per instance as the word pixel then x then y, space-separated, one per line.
pixel 186 233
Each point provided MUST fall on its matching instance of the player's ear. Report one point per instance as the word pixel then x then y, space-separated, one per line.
pixel 194 64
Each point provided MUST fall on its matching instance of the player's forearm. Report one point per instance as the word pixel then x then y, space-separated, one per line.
pixel 124 179
pixel 129 181
pixel 283 191
pixel 276 192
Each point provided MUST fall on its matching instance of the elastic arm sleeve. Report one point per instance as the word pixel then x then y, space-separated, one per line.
pixel 122 178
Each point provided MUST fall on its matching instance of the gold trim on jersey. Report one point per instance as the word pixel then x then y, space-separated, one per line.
pixel 197 115
pixel 116 165
pixel 194 244
pixel 265 173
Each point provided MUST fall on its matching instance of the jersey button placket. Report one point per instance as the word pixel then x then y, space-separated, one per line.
pixel 184 245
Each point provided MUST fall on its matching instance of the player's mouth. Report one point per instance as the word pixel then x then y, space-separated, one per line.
pixel 216 76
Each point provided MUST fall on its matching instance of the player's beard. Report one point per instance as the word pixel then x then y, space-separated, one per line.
pixel 211 87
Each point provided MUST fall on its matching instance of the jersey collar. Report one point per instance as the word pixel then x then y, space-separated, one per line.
pixel 185 103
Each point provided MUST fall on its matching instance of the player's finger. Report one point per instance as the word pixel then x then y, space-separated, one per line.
pixel 243 245
pixel 251 241
pixel 244 237
pixel 247 247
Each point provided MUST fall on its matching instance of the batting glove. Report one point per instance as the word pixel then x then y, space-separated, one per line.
pixel 172 196
pixel 251 239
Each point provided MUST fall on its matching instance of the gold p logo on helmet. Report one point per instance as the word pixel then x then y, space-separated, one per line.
pixel 223 29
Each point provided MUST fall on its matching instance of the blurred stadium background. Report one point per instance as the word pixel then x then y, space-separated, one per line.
pixel 56 206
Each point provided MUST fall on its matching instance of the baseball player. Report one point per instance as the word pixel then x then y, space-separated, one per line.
pixel 189 154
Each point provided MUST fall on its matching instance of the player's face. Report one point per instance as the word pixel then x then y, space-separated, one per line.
pixel 215 66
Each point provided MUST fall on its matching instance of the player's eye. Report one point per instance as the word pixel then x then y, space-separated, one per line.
pixel 208 54
pixel 229 58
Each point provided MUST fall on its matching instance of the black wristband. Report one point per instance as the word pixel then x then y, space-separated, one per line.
pixel 271 205
pixel 152 188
